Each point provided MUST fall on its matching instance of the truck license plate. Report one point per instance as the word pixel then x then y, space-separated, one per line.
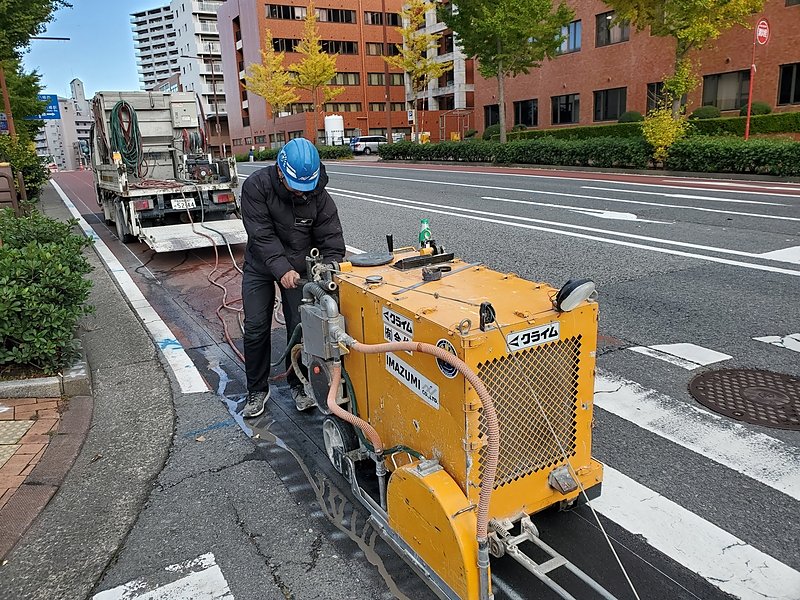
pixel 184 204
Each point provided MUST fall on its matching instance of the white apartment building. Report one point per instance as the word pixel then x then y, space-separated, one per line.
pixel 200 55
pixel 154 40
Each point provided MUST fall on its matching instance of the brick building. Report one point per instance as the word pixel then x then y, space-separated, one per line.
pixel 605 70
pixel 352 29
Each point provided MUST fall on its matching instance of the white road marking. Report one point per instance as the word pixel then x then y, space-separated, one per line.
pixel 688 356
pixel 593 212
pixel 203 581
pixel 791 255
pixel 353 250
pixel 683 196
pixel 560 178
pixel 185 371
pixel 727 562
pixel 760 457
pixel 488 217
pixel 784 186
pixel 790 342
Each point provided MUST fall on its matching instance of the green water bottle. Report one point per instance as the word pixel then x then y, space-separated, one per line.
pixel 424 233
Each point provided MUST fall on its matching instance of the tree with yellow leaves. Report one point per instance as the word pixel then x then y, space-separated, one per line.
pixel 271 80
pixel 414 58
pixel 316 69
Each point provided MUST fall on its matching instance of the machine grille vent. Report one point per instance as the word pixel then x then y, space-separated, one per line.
pixel 551 376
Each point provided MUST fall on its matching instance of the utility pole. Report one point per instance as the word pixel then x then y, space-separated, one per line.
pixel 7 102
pixel 387 88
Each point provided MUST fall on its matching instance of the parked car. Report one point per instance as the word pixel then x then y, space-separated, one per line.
pixel 367 144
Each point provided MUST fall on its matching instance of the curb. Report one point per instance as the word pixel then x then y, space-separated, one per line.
pixel 44 480
pixel 566 168
pixel 74 381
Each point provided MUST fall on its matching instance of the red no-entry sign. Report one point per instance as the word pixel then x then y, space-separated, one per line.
pixel 762 32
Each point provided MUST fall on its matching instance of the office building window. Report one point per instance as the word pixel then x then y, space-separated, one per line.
pixel 491 115
pixel 377 106
pixel 526 112
pixel 343 107
pixel 792 2
pixel 446 44
pixel 280 11
pixel 609 104
pixel 376 18
pixel 398 106
pixel 657 95
pixel 293 135
pixel 789 83
pixel 610 33
pixel 374 49
pixel 726 91
pixel 396 79
pixel 346 79
pixel 572 38
pixel 284 44
pixel 339 47
pixel 261 139
pixel 565 109
pixel 336 15
pixel 301 107
pixel 375 79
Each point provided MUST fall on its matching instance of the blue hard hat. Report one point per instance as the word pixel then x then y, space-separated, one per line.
pixel 298 160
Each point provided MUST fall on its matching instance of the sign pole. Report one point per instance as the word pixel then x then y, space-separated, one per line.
pixel 7 101
pixel 760 36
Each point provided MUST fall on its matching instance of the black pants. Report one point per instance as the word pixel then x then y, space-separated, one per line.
pixel 258 294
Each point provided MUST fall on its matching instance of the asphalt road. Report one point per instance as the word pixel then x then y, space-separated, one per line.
pixel 698 506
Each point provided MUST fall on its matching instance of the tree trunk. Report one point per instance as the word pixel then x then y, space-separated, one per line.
pixel 501 101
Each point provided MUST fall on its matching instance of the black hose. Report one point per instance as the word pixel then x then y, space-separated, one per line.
pixel 293 339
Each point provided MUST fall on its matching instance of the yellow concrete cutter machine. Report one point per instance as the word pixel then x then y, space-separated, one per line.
pixel 472 392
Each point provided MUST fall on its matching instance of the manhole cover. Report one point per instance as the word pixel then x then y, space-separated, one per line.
pixel 758 397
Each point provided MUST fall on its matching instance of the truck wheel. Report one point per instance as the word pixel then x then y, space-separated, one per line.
pixel 338 435
pixel 125 238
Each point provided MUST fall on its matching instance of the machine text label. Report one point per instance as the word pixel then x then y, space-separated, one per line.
pixel 413 380
pixel 397 321
pixel 533 337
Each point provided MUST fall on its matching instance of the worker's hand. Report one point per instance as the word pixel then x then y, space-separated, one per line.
pixel 290 280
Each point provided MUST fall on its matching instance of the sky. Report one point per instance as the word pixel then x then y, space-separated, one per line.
pixel 100 51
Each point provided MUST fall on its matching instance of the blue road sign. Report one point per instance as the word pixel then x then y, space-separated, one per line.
pixel 51 111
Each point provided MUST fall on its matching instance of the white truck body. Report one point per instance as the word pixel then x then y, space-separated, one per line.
pixel 167 192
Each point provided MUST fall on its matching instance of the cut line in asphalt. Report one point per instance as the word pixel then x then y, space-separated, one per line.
pixel 500 218
pixel 186 373
pixel 451 171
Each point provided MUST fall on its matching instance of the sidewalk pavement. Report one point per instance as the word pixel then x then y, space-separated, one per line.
pixel 165 478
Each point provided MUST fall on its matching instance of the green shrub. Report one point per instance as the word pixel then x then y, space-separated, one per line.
pixel 23 159
pixel 335 152
pixel 42 291
pixel 605 152
pixel 471 133
pixel 733 155
pixel 705 112
pixel 631 117
pixel 757 108
pixel 490 132
pixel 788 122
pixel 577 133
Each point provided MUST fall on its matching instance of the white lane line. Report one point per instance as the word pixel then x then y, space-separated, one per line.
pixel 488 217
pixel 186 373
pixel 784 186
pixel 202 580
pixel 556 177
pixel 791 255
pixel 688 356
pixel 776 256
pixel 530 191
pixel 594 212
pixel 683 196
pixel 724 560
pixel 353 250
pixel 790 342
pixel 760 457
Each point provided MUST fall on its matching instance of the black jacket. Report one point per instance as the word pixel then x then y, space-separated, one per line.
pixel 282 228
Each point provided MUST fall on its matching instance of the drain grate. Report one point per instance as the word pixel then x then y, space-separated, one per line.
pixel 750 395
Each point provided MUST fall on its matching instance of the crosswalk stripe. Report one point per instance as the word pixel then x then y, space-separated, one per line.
pixel 732 565
pixel 763 458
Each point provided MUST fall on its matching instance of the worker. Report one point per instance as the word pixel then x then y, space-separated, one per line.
pixel 286 212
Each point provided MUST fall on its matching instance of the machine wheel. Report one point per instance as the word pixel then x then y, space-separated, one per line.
pixel 338 434
pixel 367 151
pixel 125 238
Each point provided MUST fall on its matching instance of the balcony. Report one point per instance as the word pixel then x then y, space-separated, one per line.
pixel 207 28
pixel 209 48
pixel 218 88
pixel 206 7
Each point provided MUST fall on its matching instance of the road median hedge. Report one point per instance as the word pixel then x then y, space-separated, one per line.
pixel 696 154
pixel 325 153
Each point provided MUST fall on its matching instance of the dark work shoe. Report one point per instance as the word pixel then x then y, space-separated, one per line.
pixel 256 402
pixel 301 401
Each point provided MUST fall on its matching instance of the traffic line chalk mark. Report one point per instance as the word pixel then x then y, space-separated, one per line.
pixel 201 579
pixel 688 356
pixel 186 373
pixel 790 342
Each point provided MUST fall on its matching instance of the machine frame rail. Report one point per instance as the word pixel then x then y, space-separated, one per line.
pixel 505 543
